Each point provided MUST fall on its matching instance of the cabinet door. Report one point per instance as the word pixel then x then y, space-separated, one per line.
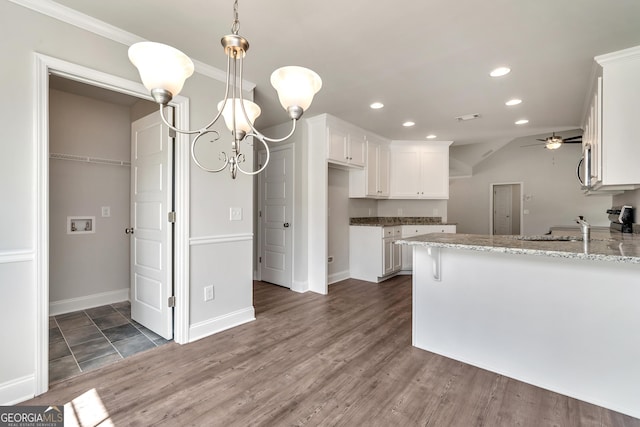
pixel 383 171
pixel 387 255
pixel 372 170
pixel 337 145
pixel 397 257
pixel 434 175
pixel 357 151
pixel 405 175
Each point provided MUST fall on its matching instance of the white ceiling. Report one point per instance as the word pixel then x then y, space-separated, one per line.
pixel 426 60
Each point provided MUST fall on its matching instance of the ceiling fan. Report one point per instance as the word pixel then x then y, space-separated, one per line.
pixel 554 141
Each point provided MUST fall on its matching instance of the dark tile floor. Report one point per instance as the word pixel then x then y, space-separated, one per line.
pixel 88 339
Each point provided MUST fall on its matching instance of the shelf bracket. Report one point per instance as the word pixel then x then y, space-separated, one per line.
pixel 434 253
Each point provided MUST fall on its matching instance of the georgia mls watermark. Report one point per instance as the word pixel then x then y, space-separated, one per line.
pixel 31 416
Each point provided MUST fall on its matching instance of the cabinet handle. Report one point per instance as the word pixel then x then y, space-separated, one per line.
pixel 286 225
pixel 128 230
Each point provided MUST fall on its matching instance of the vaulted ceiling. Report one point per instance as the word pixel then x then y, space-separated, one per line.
pixel 428 61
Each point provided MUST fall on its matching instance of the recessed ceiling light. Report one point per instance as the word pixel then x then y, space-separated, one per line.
pixel 432 136
pixel 522 122
pixel 376 105
pixel 500 71
pixel 408 124
pixel 514 101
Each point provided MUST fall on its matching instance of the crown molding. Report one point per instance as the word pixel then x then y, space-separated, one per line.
pixel 631 53
pixel 108 31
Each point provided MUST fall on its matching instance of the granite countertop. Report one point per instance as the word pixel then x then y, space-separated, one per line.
pixel 382 221
pixel 604 245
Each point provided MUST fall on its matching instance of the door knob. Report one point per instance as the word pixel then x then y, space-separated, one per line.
pixel 128 230
pixel 286 225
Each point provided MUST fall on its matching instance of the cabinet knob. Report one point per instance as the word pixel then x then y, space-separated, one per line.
pixel 128 230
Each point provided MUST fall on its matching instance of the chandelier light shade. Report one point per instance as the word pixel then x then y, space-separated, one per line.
pixel 161 66
pixel 164 69
pixel 296 86
pixel 242 123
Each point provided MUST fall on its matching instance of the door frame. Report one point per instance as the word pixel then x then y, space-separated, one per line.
pixel 45 65
pixel 260 243
pixel 521 213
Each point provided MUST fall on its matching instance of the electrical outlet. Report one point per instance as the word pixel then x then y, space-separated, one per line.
pixel 106 211
pixel 235 214
pixel 208 293
pixel 399 211
pixel 436 212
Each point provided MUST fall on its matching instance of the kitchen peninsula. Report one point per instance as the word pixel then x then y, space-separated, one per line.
pixel 374 257
pixel 551 311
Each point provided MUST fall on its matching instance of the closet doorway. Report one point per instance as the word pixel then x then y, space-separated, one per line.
pixel 91 132
pixel 47 68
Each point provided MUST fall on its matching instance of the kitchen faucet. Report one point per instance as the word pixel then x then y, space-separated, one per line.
pixel 585 228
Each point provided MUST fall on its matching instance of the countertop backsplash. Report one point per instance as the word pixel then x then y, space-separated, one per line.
pixel 397 220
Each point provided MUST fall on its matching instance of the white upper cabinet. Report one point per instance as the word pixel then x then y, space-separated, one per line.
pixel 373 181
pixel 611 125
pixel 420 171
pixel 345 144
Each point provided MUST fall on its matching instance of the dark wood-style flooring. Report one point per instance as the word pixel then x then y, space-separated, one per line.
pixel 339 360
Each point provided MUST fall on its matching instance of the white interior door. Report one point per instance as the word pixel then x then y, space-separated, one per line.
pixel 502 209
pixel 275 217
pixel 151 231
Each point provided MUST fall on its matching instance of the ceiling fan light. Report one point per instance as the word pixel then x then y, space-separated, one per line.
pixel 296 86
pixel 161 66
pixel 553 144
pixel 252 109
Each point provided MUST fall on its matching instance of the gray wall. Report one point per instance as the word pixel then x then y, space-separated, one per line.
pixel 88 264
pixel 631 198
pixel 550 190
pixel 222 255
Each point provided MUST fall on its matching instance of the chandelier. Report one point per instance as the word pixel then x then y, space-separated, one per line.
pixel 164 69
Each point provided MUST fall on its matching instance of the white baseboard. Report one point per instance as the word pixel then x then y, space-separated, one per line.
pixel 300 287
pixel 89 301
pixel 17 390
pixel 218 324
pixel 340 275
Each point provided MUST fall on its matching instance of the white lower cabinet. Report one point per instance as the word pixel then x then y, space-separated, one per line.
pixel 373 256
pixel 416 230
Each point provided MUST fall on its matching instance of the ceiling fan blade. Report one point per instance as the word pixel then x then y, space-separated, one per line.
pixel 575 141
pixel 533 145
pixel 543 140
pixel 573 137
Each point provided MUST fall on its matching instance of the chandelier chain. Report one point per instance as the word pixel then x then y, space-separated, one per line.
pixel 235 27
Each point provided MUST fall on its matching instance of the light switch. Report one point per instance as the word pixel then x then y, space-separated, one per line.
pixel 235 214
pixel 106 211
